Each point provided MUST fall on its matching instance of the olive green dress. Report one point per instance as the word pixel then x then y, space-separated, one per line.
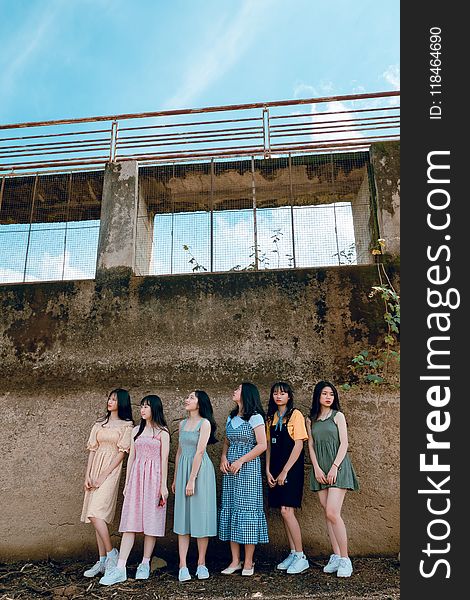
pixel 326 443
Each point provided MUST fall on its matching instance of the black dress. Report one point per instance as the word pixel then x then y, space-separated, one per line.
pixel 289 494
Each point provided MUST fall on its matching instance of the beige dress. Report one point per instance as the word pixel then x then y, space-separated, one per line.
pixel 106 441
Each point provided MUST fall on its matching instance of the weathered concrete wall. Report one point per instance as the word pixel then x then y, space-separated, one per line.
pixel 65 345
pixel 44 458
pixel 385 160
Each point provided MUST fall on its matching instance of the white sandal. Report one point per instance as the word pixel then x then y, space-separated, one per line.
pixel 231 570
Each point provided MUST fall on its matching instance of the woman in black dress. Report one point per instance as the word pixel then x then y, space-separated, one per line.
pixel 286 433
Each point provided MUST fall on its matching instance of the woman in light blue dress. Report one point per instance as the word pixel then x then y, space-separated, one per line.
pixel 195 513
pixel 242 518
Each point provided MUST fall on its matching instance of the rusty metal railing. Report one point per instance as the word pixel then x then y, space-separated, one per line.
pixel 260 129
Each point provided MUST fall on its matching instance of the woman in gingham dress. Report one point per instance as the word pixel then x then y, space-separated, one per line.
pixel 242 518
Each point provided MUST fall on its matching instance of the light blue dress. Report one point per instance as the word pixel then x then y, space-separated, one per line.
pixel 194 515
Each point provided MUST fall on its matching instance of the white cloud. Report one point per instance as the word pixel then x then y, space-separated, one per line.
pixel 305 90
pixel 226 45
pixel 10 276
pixel 392 76
pixel 25 45
pixel 49 267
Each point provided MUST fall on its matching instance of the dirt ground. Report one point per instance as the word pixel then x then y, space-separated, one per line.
pixel 373 579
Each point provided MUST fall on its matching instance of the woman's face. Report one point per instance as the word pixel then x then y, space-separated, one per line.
pixel 327 397
pixel 191 402
pixel 237 396
pixel 113 403
pixel 146 412
pixel 280 398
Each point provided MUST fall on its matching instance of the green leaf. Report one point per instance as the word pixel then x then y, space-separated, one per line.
pixel 374 378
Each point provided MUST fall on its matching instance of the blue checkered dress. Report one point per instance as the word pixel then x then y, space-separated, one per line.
pixel 242 517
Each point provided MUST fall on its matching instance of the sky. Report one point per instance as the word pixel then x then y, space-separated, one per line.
pixel 81 58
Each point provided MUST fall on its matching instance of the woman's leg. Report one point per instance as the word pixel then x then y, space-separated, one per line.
pixel 125 548
pixel 202 544
pixel 292 528
pixel 323 497
pixel 235 550
pixel 183 546
pixel 100 543
pixel 288 534
pixel 333 514
pixel 149 545
pixel 249 552
pixel 101 529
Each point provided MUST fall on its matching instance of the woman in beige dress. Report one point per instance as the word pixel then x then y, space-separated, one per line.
pixel 109 440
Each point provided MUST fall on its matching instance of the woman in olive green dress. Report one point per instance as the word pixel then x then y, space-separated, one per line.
pixel 332 472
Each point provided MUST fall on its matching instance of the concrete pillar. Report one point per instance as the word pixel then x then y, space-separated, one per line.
pixel 361 213
pixel 144 238
pixel 126 228
pixel 116 243
pixel 385 159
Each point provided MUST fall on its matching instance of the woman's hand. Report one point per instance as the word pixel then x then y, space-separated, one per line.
pixel 332 475
pixel 173 487
pixel 271 481
pixel 163 495
pixel 282 477
pixel 236 466
pixel 190 487
pixel 96 483
pixel 224 465
pixel 320 476
pixel 87 485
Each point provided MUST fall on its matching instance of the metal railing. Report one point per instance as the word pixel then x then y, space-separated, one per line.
pixel 334 123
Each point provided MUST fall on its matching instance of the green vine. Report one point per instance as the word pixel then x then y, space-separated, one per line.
pixel 380 365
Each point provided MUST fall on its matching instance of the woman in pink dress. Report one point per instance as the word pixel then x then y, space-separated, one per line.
pixel 146 491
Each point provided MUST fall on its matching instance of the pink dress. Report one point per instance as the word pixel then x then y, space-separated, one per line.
pixel 140 510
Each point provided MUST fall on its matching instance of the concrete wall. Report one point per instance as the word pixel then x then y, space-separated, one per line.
pixel 65 345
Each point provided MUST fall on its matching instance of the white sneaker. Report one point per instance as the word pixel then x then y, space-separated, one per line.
pixel 114 576
pixel 298 565
pixel 97 569
pixel 332 565
pixel 286 563
pixel 345 568
pixel 202 572
pixel 183 574
pixel 111 560
pixel 143 571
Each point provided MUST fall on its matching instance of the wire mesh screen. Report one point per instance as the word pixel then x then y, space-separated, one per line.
pixel 49 226
pixel 225 215
pixel 220 215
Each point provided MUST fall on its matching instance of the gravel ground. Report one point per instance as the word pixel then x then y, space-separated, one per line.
pixel 373 579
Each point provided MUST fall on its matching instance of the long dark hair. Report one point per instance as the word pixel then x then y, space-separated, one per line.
pixel 316 406
pixel 251 402
pixel 206 412
pixel 124 406
pixel 158 418
pixel 272 406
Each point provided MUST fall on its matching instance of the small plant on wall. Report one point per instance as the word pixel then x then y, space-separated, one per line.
pixel 380 364
pixel 195 265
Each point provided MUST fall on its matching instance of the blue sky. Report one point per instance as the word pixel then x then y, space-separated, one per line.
pixel 77 58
